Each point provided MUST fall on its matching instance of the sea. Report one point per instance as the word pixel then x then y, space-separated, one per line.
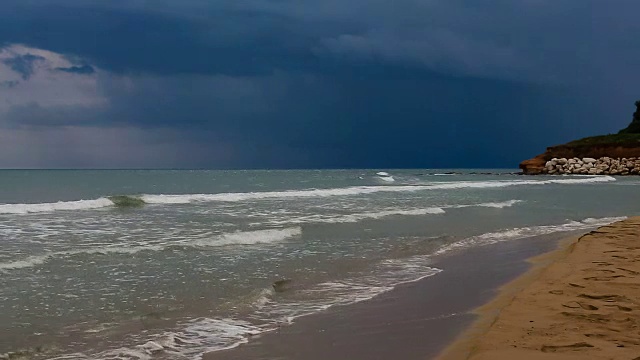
pixel 170 264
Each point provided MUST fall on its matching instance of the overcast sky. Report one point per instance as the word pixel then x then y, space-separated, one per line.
pixel 310 84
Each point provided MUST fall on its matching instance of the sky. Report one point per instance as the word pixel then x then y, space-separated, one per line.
pixel 228 84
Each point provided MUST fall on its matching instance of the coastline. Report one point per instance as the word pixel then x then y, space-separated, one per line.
pixel 413 321
pixel 577 302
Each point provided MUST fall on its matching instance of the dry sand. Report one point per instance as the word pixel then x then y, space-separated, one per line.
pixel 580 302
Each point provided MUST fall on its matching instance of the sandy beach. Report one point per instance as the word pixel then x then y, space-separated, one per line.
pixel 580 302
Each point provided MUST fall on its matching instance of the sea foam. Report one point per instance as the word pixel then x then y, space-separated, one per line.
pixel 380 214
pixel 287 194
pixel 60 205
pixel 525 232
pixel 239 238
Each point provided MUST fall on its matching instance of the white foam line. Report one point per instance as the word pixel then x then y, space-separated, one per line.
pixel 375 215
pixel 197 337
pixel 268 236
pixel 497 205
pixel 525 232
pixel 247 237
pixel 358 190
pixel 48 207
pixel 309 193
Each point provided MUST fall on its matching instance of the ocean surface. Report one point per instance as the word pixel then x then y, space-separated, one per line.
pixel 156 264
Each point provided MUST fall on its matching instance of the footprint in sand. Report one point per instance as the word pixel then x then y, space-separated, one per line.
pixel 629 271
pixel 603 278
pixel 621 308
pixel 619 257
pixel 603 297
pixel 579 305
pixel 594 318
pixel 556 348
pixel 602 263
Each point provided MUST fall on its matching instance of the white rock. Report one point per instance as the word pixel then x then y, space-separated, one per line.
pixel 589 160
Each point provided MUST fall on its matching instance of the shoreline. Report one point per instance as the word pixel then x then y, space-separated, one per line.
pixel 413 321
pixel 579 301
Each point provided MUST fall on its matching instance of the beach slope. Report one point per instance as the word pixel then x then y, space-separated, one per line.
pixel 584 305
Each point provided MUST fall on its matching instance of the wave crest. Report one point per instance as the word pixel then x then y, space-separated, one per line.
pixel 125 201
pixel 268 236
pixel 137 201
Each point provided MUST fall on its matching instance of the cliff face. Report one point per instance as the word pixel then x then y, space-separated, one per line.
pixel 536 165
pixel 620 147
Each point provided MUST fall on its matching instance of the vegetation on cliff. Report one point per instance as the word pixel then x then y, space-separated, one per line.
pixel 628 137
pixel 621 139
pixel 634 127
pixel 624 144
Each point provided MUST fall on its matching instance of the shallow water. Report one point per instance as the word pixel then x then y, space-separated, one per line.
pixel 189 268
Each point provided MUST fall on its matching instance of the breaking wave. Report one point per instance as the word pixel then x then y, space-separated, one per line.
pixel 375 215
pixel 496 205
pixel 269 236
pixel 358 190
pixel 121 201
pixel 137 201
pixel 61 205
pixel 124 201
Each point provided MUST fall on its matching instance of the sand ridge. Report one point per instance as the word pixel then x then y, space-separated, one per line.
pixel 584 305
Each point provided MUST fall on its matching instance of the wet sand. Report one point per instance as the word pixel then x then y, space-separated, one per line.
pixel 414 321
pixel 584 305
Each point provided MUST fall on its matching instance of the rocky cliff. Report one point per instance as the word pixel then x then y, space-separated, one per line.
pixel 614 150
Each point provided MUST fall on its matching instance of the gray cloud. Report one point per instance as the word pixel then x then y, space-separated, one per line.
pixel 326 83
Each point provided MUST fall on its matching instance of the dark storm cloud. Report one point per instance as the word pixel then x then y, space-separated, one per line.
pixel 343 83
pixel 251 37
pixel 23 64
pixel 82 70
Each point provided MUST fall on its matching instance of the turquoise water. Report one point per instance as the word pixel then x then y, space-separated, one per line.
pixel 190 270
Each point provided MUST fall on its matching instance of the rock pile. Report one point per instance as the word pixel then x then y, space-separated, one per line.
pixel 591 166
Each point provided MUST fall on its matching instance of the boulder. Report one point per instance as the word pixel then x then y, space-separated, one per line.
pixel 533 166
pixel 589 160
